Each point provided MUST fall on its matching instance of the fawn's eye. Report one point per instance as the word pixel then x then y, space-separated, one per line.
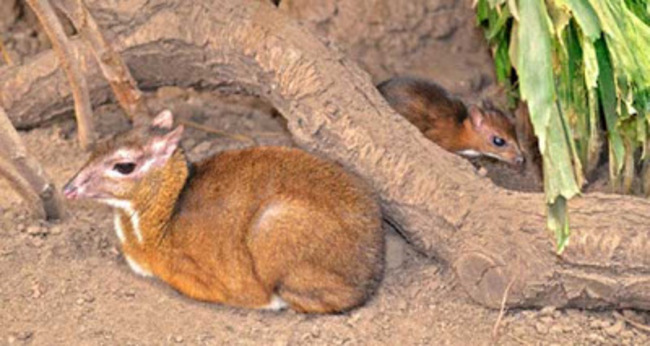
pixel 498 141
pixel 124 168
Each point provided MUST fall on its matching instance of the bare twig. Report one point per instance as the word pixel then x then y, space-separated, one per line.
pixel 63 49
pixel 111 63
pixel 502 310
pixel 26 172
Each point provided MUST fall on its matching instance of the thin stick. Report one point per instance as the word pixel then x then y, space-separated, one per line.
pixel 113 68
pixel 63 49
pixel 27 168
pixel 495 329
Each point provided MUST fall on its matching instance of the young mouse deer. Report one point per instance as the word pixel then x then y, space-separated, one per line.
pixel 264 227
pixel 445 120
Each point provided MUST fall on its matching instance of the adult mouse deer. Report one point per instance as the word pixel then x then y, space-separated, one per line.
pixel 264 227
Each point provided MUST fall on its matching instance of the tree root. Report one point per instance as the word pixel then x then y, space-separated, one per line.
pixel 486 234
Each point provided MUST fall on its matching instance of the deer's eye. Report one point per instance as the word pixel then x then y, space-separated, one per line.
pixel 124 168
pixel 498 141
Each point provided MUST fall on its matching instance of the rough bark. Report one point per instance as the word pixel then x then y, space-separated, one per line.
pixel 486 234
pixel 25 174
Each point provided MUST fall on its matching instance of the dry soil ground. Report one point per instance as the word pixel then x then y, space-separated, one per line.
pixel 66 283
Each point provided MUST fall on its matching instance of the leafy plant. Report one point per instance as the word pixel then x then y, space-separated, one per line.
pixel 583 67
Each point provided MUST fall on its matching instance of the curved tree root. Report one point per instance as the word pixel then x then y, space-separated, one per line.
pixel 488 235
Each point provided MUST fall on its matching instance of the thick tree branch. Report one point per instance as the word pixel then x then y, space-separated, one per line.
pixel 61 45
pixel 487 234
pixel 25 174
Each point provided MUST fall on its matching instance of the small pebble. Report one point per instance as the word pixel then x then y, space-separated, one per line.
pixel 541 328
pixel 528 313
pixel 599 324
pixel 56 229
pixel 36 291
pixel 615 329
pixel 547 319
pixel 627 334
pixel 547 311
pixel 35 230
pixel 595 338
pixel 37 242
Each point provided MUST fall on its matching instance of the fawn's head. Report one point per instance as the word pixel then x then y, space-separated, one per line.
pixel 124 165
pixel 493 134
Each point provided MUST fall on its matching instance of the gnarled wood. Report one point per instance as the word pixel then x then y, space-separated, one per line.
pixel 25 174
pixel 487 234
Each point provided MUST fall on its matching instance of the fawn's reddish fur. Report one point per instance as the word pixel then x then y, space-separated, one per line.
pixel 448 122
pixel 262 227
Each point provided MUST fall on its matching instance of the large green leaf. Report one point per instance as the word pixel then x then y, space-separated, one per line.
pixel 585 16
pixel 628 39
pixel 537 86
pixel 576 62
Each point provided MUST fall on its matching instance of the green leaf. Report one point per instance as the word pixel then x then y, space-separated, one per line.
pixel 497 23
pixel 628 40
pixel 641 8
pixel 591 64
pixel 512 6
pixel 607 92
pixel 482 11
pixel 558 219
pixel 585 15
pixel 576 62
pixel 502 62
pixel 537 85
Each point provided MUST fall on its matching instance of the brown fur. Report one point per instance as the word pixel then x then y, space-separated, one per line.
pixel 446 120
pixel 244 225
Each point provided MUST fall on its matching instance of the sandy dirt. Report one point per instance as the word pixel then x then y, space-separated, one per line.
pixel 66 283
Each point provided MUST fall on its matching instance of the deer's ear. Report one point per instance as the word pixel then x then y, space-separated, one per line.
pixel 162 147
pixel 476 116
pixel 164 120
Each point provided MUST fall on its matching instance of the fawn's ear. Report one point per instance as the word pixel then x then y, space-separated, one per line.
pixel 162 147
pixel 164 120
pixel 476 116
